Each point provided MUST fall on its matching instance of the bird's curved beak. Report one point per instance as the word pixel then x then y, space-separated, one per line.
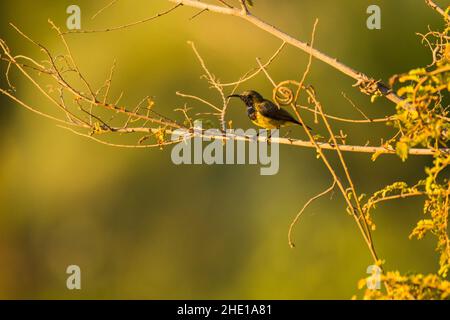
pixel 234 96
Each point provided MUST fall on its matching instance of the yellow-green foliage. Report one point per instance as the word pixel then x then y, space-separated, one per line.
pixel 409 287
pixel 422 120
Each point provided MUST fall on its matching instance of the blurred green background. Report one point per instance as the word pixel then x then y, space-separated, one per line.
pixel 141 227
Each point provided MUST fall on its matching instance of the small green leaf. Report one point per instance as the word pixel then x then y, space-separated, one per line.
pixel 376 155
pixel 402 149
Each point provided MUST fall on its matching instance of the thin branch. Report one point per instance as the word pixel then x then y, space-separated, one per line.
pixel 362 121
pixel 226 4
pixel 397 196
pixel 435 7
pixel 251 74
pixel 198 99
pixel 214 83
pixel 132 24
pixel 297 217
pixel 197 14
pixel 244 7
pixel 128 146
pixel 104 8
pixel 308 67
pixel 355 106
pixel 362 227
pixel 358 213
pixel 34 110
pixel 362 79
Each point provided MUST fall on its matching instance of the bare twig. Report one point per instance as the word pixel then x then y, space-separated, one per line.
pixel 251 74
pixel 199 99
pixel 214 83
pixel 308 67
pixel 435 7
pixel 297 217
pixel 362 79
pixel 361 225
pixel 132 24
pixel 110 4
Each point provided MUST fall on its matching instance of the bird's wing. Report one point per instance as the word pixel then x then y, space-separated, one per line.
pixel 270 110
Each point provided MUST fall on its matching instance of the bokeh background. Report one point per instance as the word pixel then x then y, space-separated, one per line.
pixel 141 227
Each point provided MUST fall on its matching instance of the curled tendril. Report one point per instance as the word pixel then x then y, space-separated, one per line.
pixel 283 95
pixel 287 92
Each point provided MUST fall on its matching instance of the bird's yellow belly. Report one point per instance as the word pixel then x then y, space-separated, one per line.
pixel 267 123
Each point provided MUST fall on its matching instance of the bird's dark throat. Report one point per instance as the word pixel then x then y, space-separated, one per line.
pixel 251 112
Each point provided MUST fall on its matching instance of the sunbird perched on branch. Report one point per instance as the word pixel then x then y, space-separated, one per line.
pixel 264 113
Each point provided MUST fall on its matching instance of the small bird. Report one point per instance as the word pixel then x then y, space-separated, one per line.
pixel 264 113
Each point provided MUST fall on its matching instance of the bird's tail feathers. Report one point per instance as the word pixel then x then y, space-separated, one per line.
pixel 299 123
